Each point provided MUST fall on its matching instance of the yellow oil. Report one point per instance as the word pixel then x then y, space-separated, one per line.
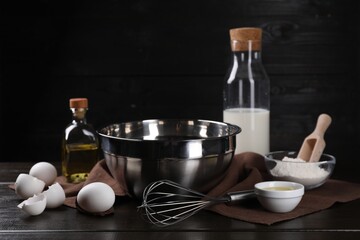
pixel 279 188
pixel 78 160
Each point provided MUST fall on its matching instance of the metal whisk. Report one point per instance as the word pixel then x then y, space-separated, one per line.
pixel 166 202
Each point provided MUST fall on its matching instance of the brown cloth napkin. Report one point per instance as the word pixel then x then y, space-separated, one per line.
pixel 245 170
pixel 249 168
pixel 99 173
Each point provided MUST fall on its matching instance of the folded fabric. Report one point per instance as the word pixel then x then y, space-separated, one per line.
pixel 245 170
pixel 249 168
pixel 99 173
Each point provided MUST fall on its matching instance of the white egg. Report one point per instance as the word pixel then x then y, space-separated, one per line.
pixel 34 205
pixel 55 196
pixel 27 186
pixel 96 197
pixel 44 171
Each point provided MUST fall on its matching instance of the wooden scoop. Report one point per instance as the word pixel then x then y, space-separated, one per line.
pixel 314 144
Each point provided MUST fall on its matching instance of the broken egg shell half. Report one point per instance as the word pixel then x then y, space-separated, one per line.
pixel 44 171
pixel 27 186
pixel 55 196
pixel 34 205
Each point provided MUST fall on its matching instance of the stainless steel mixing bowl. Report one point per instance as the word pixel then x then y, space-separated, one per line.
pixel 195 153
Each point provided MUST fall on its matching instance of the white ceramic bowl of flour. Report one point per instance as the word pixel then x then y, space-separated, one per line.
pixel 285 166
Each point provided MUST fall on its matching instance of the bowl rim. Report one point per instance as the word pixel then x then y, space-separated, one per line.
pixel 298 191
pixel 236 129
pixel 331 158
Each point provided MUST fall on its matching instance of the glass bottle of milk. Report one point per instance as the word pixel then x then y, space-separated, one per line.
pixel 247 92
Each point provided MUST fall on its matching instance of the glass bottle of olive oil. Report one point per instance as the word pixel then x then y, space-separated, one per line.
pixel 80 144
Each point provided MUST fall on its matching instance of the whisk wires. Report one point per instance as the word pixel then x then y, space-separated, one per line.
pixel 166 202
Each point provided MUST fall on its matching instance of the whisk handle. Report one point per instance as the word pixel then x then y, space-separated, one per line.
pixel 240 195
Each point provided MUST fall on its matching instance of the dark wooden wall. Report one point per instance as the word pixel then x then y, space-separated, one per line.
pixel 143 59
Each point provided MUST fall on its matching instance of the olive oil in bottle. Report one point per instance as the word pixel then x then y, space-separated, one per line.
pixel 80 144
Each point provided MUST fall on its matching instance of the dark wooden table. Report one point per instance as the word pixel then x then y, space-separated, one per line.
pixel 340 221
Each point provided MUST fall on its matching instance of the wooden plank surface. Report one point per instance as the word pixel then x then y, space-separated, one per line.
pixel 64 222
pixel 179 235
pixel 126 218
pixel 338 221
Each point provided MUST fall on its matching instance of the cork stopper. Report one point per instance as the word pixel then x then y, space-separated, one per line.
pixel 78 103
pixel 244 39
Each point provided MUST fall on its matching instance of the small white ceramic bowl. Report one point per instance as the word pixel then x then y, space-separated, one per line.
pixel 279 196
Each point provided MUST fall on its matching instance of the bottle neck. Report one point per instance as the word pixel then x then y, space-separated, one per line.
pixel 246 50
pixel 247 56
pixel 244 64
pixel 79 115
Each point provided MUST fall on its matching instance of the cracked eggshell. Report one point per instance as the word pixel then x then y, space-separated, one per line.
pixel 27 186
pixel 96 197
pixel 44 171
pixel 55 196
pixel 34 205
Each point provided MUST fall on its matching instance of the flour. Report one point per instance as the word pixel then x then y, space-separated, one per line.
pixel 296 169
